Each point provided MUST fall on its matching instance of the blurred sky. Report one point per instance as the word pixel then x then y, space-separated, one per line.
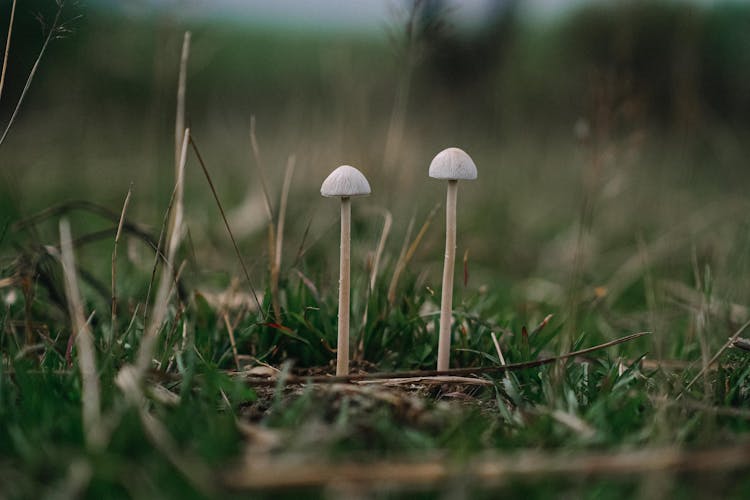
pixel 345 15
pixel 367 15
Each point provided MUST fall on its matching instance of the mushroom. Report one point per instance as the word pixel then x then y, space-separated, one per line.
pixel 451 164
pixel 345 182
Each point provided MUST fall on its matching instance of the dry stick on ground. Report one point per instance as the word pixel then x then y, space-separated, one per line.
pixel 716 356
pixel 722 411
pixel 226 224
pixel 488 471
pixel 52 31
pixel 7 47
pixel 84 343
pixel 460 372
pixel 114 259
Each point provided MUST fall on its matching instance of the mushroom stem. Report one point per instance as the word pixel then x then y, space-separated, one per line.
pixel 446 305
pixel 342 346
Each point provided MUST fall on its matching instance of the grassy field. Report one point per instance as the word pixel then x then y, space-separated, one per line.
pixel 146 355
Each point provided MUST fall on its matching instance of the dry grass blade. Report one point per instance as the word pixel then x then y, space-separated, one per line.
pixel 230 331
pixel 259 167
pixel 487 471
pixel 161 303
pixel 179 125
pixel 279 243
pixel 726 346
pixel 406 257
pixel 114 258
pixel 83 340
pixel 7 47
pixel 454 372
pixel 226 224
pixel 387 223
pixel 34 68
pixel 497 348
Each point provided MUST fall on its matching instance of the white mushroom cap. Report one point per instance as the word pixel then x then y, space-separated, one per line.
pixel 453 164
pixel 345 181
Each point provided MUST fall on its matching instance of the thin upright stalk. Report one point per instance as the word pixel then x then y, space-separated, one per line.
pixel 7 47
pixel 342 346
pixel 446 304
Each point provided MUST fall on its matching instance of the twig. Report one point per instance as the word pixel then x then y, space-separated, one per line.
pixel 226 224
pixel 90 207
pixel 460 372
pixel 445 379
pixel 716 356
pixel 722 411
pixel 487 471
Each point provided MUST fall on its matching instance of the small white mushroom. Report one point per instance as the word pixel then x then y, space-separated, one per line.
pixel 345 182
pixel 451 164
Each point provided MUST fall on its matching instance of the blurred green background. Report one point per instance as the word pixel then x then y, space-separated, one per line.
pixel 611 138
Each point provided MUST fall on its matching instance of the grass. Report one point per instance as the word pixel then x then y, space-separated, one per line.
pixel 566 242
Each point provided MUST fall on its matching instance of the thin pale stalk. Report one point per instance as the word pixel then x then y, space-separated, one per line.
pixel 276 267
pixel 446 303
pixel 161 304
pixel 32 73
pixel 342 347
pixel 226 224
pixel 233 343
pixel 91 400
pixel 387 222
pixel 407 253
pixel 114 260
pixel 259 166
pixel 716 356
pixel 7 47
pixel 179 124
